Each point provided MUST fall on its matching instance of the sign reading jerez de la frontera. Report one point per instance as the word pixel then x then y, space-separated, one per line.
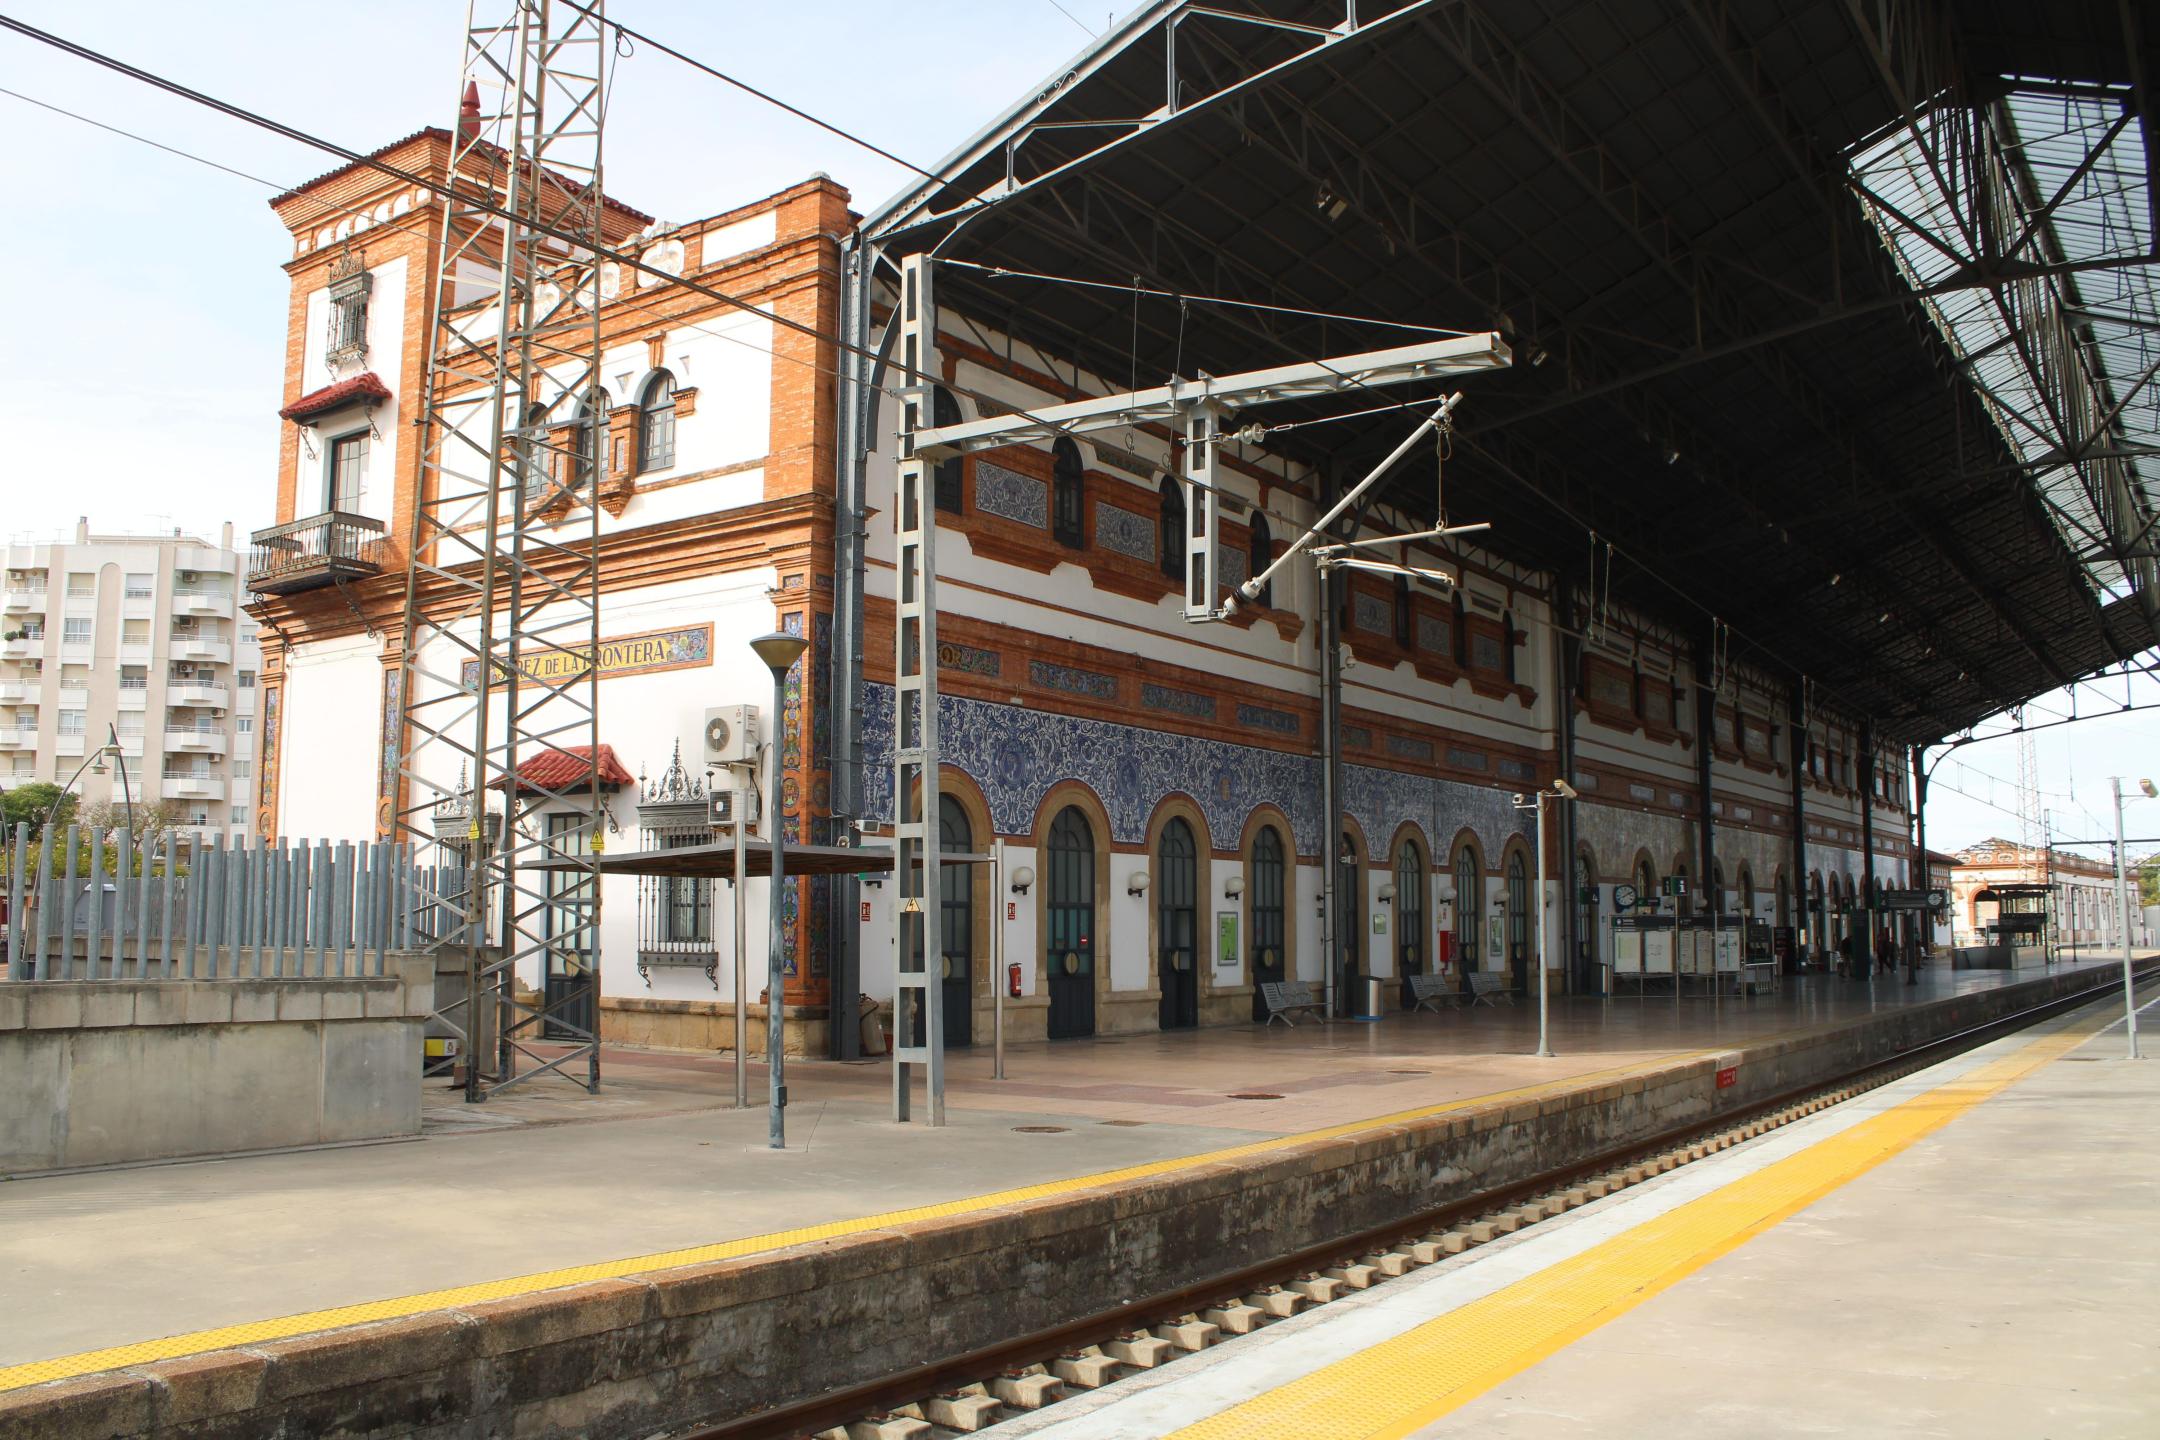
pixel 642 654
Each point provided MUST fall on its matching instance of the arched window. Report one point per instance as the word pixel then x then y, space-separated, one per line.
pixel 584 444
pixel 946 475
pixel 1507 645
pixel 1747 893
pixel 1469 905
pixel 1784 899
pixel 1177 925
pixel 1170 529
pixel 1462 632
pixel 1403 626
pixel 656 424
pixel 1587 908
pixel 1068 494
pixel 1268 912
pixel 1261 546
pixel 1518 908
pixel 1409 914
pixel 1646 881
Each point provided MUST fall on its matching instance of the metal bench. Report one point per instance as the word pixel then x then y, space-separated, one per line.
pixel 1489 987
pixel 1434 992
pixel 1286 997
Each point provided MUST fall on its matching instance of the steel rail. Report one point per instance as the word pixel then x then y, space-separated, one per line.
pixel 836 1408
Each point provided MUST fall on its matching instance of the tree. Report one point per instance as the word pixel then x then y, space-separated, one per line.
pixel 2148 873
pixel 150 820
pixel 30 805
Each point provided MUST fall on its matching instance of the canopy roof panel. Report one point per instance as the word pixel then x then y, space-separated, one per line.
pixel 1722 365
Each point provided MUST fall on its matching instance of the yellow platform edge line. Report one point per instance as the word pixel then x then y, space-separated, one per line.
pixel 256 1332
pixel 1396 1388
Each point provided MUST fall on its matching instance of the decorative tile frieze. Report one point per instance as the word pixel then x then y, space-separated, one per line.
pixel 1120 530
pixel 1410 748
pixel 1263 717
pixel 1370 612
pixel 1008 493
pixel 1190 703
pixel 1091 683
pixel 972 659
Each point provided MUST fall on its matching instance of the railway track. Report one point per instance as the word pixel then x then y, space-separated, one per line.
pixel 969 1392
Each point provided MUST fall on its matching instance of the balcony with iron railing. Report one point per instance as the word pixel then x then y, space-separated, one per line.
pixel 21 644
pixel 317 550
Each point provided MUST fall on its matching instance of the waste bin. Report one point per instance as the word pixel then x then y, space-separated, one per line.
pixel 1373 994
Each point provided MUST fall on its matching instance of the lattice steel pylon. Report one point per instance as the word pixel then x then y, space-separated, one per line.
pixel 501 626
pixel 2032 824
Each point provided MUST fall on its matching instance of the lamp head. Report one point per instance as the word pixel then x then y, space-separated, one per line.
pixel 2147 787
pixel 1564 790
pixel 1138 883
pixel 779 651
pixel 1022 878
pixel 1233 887
pixel 1386 893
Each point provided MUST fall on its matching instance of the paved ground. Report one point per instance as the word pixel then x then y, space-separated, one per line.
pixel 550 1178
pixel 1967 1253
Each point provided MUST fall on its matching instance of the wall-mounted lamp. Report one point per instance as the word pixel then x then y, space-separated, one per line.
pixel 1233 887
pixel 1386 893
pixel 1138 884
pixel 1022 878
pixel 875 882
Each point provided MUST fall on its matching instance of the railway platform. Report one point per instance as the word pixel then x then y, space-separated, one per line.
pixel 1962 1252
pixel 125 1284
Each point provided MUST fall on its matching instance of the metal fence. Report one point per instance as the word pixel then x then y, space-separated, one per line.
pixel 172 907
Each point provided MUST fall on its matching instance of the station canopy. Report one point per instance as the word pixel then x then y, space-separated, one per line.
pixel 1836 320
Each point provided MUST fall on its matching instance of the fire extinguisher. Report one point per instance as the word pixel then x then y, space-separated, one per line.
pixel 1012 981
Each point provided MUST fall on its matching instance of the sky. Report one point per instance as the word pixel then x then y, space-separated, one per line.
pixel 141 358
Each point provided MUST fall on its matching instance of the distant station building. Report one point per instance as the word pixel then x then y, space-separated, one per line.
pixel 2079 893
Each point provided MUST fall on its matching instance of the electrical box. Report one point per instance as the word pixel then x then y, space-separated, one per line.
pixel 731 735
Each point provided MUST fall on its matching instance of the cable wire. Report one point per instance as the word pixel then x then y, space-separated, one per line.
pixel 1005 272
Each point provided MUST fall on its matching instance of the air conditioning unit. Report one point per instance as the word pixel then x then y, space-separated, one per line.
pixel 187 576
pixel 731 735
pixel 726 805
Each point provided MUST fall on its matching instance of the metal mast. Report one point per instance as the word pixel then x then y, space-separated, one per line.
pixel 501 625
pixel 918 996
pixel 2032 823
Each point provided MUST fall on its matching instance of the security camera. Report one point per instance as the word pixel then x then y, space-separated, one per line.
pixel 1518 798
pixel 1564 790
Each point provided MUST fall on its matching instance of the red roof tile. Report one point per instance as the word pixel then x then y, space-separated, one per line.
pixel 366 386
pixel 565 767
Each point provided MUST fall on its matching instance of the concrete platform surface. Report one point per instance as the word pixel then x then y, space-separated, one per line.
pixel 1968 1252
pixel 543 1179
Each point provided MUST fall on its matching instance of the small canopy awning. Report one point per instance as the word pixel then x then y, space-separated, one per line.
pixel 564 767
pixel 363 389
pixel 717 861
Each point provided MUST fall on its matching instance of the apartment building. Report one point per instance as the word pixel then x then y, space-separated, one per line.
pixel 135 642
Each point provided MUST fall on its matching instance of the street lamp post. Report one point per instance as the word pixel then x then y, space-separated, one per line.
pixel 779 652
pixel 2122 908
pixel 1559 790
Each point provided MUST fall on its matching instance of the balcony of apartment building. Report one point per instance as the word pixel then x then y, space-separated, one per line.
pixel 73 738
pixel 314 551
pixel 131 742
pixel 134 689
pixel 22 642
pixel 21 690
pixel 195 739
pixel 192 640
pixel 202 597
pixel 22 593
pixel 188 784
pixel 17 736
pixel 196 688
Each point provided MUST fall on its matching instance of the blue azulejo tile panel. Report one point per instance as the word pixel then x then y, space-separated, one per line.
pixel 1009 493
pixel 1119 529
pixel 1016 755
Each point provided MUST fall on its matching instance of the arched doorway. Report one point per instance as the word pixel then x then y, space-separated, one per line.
pixel 1747 894
pixel 1268 884
pixel 1071 922
pixel 1817 930
pixel 1783 912
pixel 956 923
pixel 1409 915
pixel 1177 884
pixel 1518 921
pixel 1350 920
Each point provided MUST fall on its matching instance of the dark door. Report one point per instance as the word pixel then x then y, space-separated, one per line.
pixel 956 924
pixel 1071 919
pixel 1177 883
pixel 1409 917
pixel 567 991
pixel 1267 883
pixel 1518 924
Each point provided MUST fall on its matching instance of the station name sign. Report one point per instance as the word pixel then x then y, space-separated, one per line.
pixel 642 654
